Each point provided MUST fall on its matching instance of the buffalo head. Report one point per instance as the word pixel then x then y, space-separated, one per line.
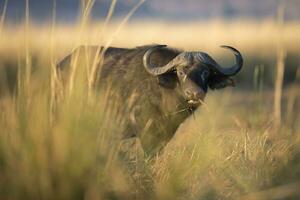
pixel 195 71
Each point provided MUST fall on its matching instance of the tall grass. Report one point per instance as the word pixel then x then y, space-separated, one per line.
pixel 280 68
pixel 72 149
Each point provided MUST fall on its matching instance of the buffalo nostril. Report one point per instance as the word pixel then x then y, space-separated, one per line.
pixel 189 93
pixel 194 95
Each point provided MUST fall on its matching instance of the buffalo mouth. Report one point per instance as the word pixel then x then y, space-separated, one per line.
pixel 194 103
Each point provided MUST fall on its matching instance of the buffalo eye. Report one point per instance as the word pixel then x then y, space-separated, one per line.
pixel 181 73
pixel 204 75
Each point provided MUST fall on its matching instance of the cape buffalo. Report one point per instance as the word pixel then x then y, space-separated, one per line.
pixel 159 87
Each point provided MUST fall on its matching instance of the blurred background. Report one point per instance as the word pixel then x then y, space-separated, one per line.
pixel 189 10
pixel 258 28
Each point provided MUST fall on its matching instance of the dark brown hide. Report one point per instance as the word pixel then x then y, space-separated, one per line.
pixel 153 105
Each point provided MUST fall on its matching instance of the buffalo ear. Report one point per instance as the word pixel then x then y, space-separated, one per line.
pixel 168 80
pixel 221 82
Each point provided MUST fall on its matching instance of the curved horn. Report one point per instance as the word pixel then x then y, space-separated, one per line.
pixel 235 68
pixel 153 69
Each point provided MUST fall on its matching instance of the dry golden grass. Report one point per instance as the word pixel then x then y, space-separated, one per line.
pixel 207 36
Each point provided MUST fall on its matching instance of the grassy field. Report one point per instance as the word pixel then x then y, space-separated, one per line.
pixel 230 149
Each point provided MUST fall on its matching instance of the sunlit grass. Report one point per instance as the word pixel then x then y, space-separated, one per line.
pixel 247 35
